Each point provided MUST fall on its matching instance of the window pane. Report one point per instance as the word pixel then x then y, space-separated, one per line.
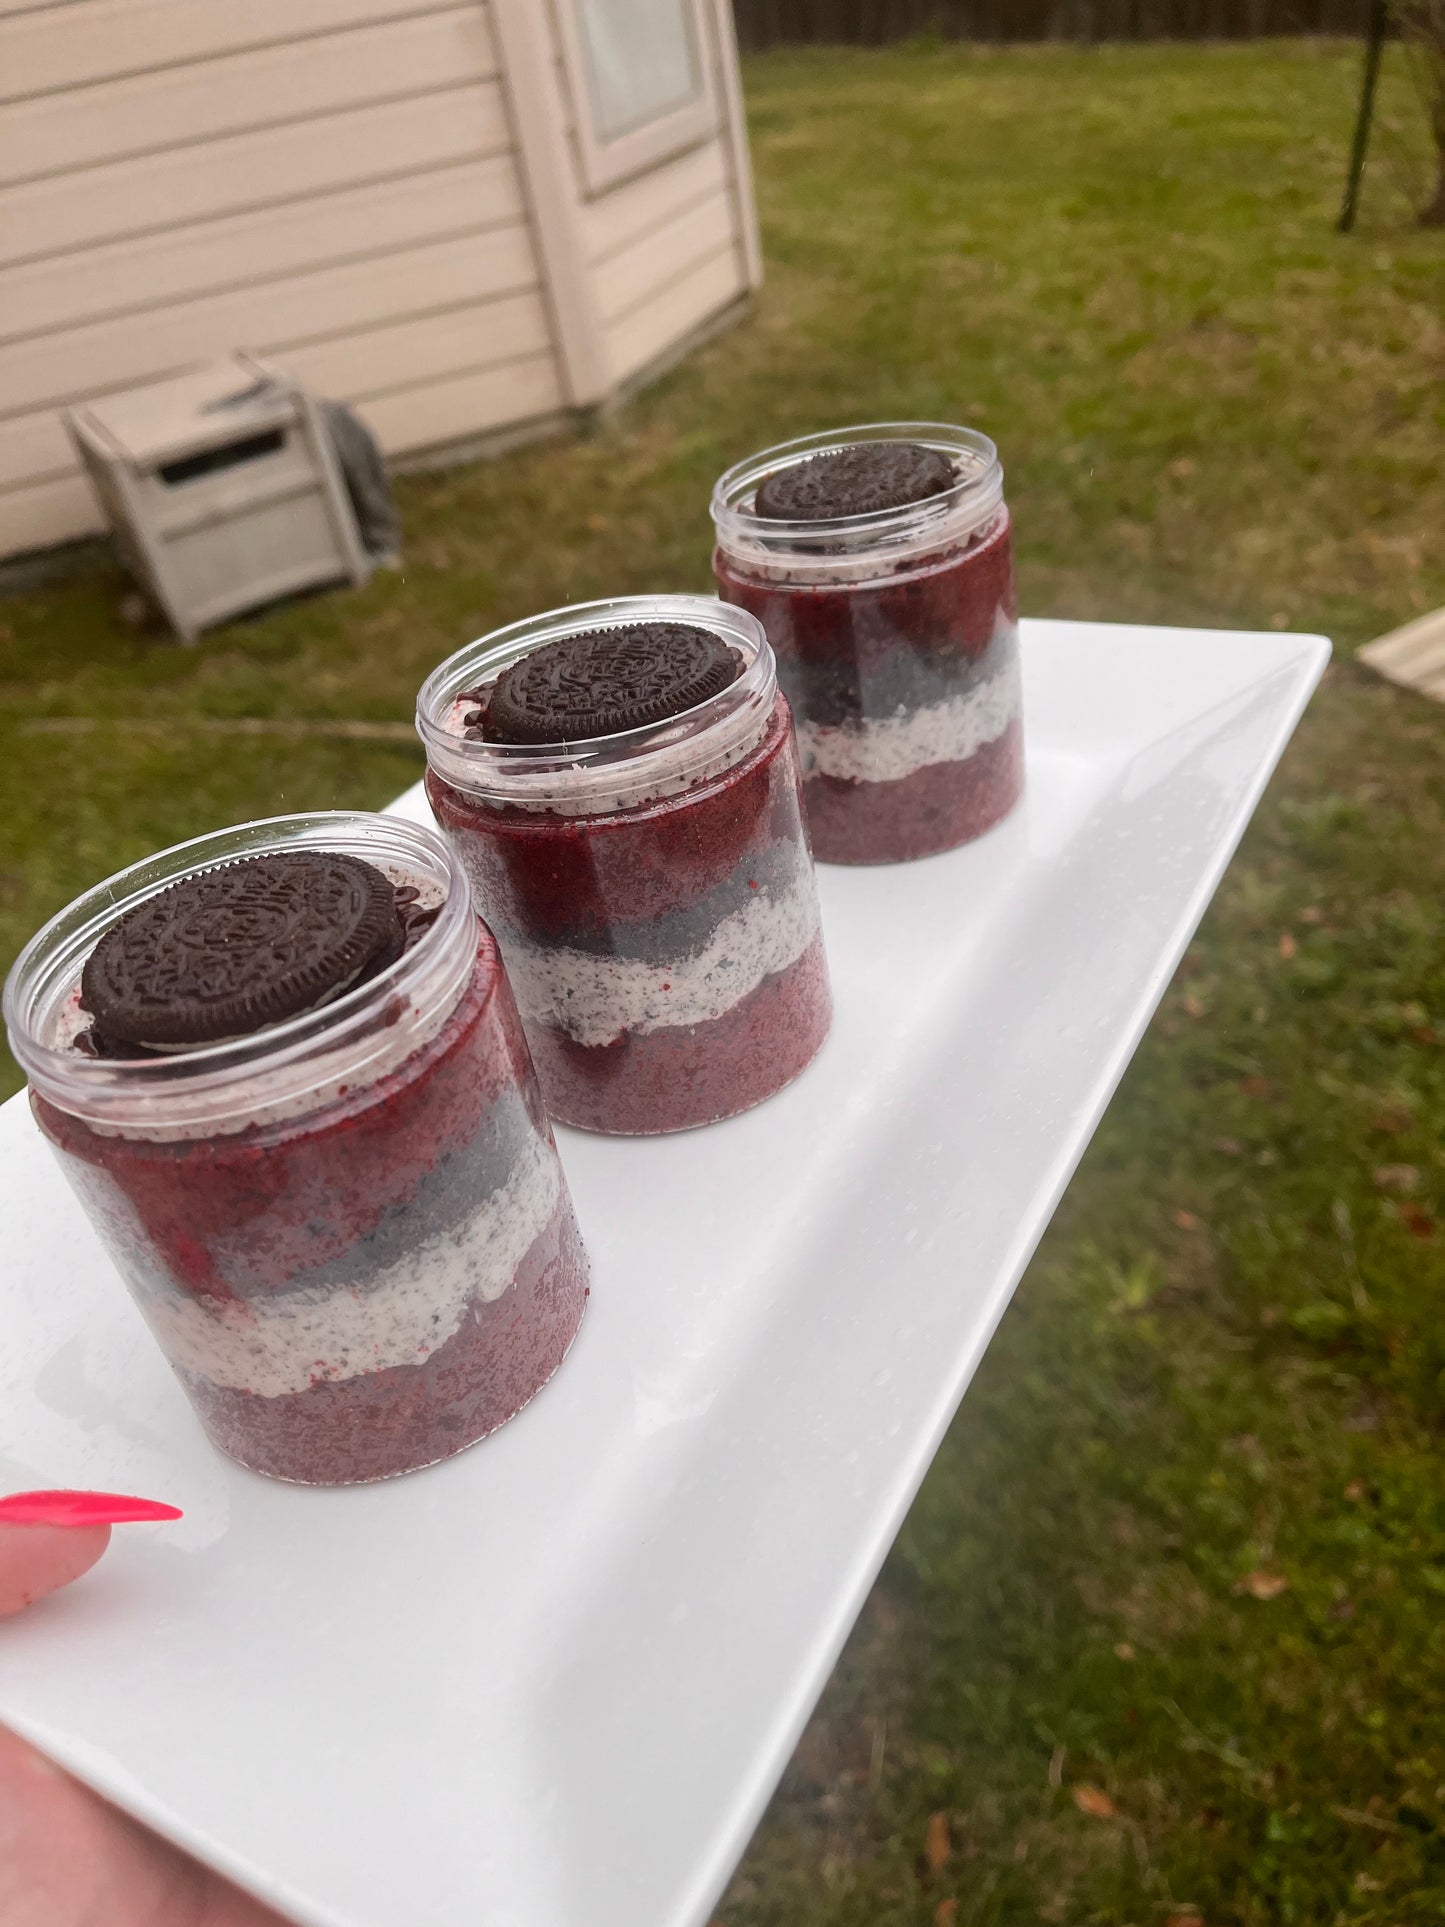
pixel 641 61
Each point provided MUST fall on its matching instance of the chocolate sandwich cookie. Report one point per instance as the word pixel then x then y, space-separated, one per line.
pixel 865 478
pixel 603 681
pixel 230 951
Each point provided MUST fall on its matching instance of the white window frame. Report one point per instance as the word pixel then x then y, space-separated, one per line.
pixel 605 163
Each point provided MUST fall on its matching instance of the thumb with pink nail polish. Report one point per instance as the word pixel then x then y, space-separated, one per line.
pixel 67 1858
pixel 47 1539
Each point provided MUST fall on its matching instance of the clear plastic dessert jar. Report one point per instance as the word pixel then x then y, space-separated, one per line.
pixel 652 891
pixel 349 1232
pixel 896 634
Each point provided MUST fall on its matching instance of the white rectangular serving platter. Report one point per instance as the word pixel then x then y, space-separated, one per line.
pixel 552 1683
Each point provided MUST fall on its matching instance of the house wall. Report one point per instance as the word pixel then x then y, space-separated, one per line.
pixel 331 183
pixel 384 197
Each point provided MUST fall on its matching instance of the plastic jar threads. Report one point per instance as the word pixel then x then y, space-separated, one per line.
pixel 896 634
pixel 349 1232
pixel 652 889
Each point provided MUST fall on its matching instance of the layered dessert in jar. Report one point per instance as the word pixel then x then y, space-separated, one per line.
pixel 880 563
pixel 621 781
pixel 284 1073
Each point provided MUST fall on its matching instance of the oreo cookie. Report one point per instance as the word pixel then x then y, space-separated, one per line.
pixel 865 478
pixel 229 951
pixel 605 680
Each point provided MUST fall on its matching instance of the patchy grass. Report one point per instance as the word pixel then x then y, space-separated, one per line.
pixel 1184 1547
pixel 1163 1636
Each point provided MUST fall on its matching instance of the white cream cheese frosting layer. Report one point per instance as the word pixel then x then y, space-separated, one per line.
pixel 596 999
pixel 886 749
pixel 399 1317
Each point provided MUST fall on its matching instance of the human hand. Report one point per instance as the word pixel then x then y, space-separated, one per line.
pixel 67 1857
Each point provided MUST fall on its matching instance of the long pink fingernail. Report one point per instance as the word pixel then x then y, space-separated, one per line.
pixel 80 1509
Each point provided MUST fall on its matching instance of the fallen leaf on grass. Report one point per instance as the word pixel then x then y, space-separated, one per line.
pixel 1393 1120
pixel 1262 1585
pixel 945 1913
pixel 1357 1491
pixel 1190 1005
pixel 937 1846
pixel 1397 1177
pixel 1185 1220
pixel 1287 945
pixel 1095 1802
pixel 1123 1650
pixel 1416 1219
pixel 1187 1917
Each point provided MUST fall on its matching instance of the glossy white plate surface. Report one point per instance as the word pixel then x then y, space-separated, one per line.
pixel 552 1683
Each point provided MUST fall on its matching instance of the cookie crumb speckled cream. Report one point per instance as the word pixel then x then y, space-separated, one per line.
pixel 646 870
pixel 282 1069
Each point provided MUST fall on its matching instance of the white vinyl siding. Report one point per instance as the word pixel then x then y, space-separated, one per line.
pixel 667 256
pixel 48 49
pixel 672 312
pixel 154 193
pixel 328 183
pixel 175 106
pixel 639 207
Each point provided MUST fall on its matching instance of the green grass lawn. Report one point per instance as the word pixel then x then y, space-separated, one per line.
pixel 1163 1637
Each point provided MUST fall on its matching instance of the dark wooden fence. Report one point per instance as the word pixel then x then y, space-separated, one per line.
pixel 774 23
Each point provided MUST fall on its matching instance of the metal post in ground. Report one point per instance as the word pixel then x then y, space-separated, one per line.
pixel 1374 46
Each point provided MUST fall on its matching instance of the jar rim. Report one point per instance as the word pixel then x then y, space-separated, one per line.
pixel 216 1087
pixel 600 773
pixel 842 544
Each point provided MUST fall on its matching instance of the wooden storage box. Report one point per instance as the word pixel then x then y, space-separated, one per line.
pixel 222 490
